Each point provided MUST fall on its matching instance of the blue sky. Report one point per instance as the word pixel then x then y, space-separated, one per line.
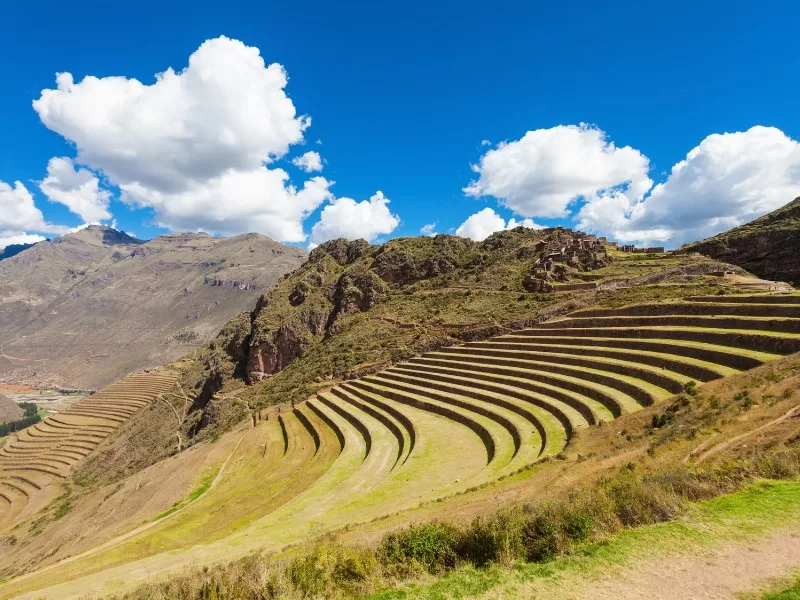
pixel 406 98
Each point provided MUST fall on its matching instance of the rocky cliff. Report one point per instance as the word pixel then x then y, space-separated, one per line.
pixel 768 247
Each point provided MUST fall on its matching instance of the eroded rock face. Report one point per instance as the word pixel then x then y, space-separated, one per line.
pixel 358 291
pixel 341 250
pixel 273 351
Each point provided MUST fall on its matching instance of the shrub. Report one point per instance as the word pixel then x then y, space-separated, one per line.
pixel 541 536
pixel 498 538
pixel 432 546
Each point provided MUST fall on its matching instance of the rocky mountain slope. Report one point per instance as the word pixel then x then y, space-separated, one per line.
pixel 86 308
pixel 354 308
pixel 768 246
pixel 9 411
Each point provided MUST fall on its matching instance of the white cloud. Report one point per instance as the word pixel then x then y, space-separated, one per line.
pixel 727 180
pixel 18 213
pixel 346 218
pixel 195 144
pixel 308 162
pixel 237 201
pixel 10 237
pixel 429 229
pixel 77 189
pixel 542 173
pixel 486 222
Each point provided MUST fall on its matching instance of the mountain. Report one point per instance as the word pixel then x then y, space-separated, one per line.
pixel 768 246
pixel 86 308
pixel 13 250
pixel 354 308
pixel 9 410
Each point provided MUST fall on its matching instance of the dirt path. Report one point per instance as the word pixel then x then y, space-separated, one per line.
pixel 718 573
pixel 727 444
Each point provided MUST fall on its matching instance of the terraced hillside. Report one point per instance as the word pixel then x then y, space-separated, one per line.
pixel 524 394
pixel 433 426
pixel 34 460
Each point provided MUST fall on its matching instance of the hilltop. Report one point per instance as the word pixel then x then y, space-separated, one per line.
pixel 768 246
pixel 86 308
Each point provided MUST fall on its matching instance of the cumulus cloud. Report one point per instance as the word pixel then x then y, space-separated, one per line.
pixel 345 217
pixel 237 201
pixel 18 213
pixel 727 180
pixel 429 229
pixel 194 145
pixel 7 238
pixel 486 222
pixel 77 189
pixel 542 173
pixel 308 162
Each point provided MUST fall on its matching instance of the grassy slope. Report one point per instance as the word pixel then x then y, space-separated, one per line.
pixel 747 515
pixel 717 413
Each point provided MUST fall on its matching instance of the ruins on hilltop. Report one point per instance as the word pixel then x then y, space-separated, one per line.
pixel 561 254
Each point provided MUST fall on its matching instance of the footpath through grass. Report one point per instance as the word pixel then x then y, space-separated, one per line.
pixel 756 510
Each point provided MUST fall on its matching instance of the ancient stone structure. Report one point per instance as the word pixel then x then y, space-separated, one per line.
pixel 561 255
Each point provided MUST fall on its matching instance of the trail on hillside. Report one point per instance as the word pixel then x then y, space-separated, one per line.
pixel 727 444
pixel 719 573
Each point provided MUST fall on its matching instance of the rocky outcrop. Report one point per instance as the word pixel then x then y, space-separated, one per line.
pixel 358 291
pixel 239 285
pixel 400 264
pixel 272 351
pixel 341 250
pixel 768 247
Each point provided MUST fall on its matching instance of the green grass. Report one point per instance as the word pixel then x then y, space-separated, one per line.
pixel 205 484
pixel 756 510
pixel 790 593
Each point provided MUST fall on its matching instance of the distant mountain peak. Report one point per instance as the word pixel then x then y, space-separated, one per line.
pixel 102 235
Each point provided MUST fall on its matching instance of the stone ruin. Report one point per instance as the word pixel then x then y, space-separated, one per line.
pixel 561 254
pixel 651 250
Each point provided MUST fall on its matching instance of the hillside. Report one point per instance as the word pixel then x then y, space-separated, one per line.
pixel 353 308
pixel 451 434
pixel 768 247
pixel 9 411
pixel 86 308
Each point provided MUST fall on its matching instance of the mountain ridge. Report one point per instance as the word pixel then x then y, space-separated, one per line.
pixel 85 308
pixel 767 246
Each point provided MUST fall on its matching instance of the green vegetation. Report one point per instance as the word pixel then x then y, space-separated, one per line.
pixel 790 593
pixel 353 308
pixel 31 417
pixel 592 526
pixel 205 484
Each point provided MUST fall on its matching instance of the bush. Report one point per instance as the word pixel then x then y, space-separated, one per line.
pixel 498 538
pixel 542 536
pixel 432 546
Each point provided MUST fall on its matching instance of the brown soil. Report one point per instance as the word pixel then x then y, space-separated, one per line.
pixel 712 574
